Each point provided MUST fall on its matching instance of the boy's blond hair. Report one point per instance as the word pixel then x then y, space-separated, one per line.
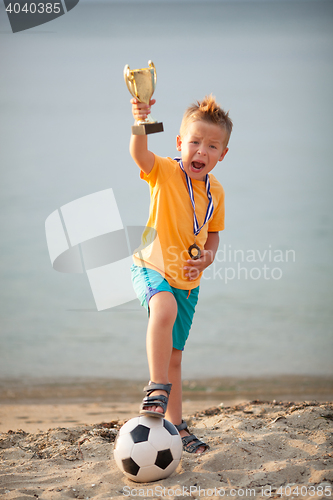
pixel 209 111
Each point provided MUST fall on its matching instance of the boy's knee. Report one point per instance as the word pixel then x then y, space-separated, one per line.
pixel 168 313
pixel 163 306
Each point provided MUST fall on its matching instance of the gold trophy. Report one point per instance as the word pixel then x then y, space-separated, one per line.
pixel 141 83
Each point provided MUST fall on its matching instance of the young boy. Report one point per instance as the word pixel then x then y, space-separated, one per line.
pixel 187 213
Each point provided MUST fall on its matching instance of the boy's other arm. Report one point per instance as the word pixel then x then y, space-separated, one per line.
pixel 139 144
pixel 211 246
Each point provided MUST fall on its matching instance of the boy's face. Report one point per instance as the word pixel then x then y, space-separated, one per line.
pixel 202 146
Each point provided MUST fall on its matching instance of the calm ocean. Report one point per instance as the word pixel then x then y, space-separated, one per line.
pixel 265 306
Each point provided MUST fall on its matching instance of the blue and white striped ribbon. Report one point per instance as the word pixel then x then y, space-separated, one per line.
pixel 210 208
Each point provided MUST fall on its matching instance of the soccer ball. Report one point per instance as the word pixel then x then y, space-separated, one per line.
pixel 148 449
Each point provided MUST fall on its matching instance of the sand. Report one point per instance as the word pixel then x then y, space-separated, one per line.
pixel 258 449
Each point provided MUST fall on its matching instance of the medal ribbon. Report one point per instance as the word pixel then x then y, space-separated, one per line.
pixel 210 208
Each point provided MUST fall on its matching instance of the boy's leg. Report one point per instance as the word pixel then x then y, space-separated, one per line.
pixel 174 410
pixel 163 313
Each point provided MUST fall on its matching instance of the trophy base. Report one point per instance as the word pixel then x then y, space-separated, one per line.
pixel 147 128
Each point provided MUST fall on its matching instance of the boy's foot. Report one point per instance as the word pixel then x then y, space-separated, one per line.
pixel 157 408
pixel 199 450
pixel 156 401
pixel 191 443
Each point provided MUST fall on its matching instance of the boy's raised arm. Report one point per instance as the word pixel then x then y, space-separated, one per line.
pixel 139 143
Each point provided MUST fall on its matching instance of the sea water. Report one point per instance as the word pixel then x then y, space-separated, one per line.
pixel 265 305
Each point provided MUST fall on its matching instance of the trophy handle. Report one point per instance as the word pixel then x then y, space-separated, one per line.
pixel 129 78
pixel 152 65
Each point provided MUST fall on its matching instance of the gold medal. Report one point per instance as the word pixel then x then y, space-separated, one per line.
pixel 194 252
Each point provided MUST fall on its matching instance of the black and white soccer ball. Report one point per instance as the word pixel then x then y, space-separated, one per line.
pixel 148 449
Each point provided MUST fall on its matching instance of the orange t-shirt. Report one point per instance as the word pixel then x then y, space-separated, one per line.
pixel 169 230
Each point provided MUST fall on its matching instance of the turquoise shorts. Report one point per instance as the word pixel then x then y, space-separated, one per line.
pixel 148 282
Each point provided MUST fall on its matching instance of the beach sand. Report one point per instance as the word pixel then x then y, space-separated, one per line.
pixel 260 449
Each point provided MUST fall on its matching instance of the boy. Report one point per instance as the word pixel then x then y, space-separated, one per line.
pixel 187 212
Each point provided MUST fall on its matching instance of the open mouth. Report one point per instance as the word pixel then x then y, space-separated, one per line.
pixel 197 166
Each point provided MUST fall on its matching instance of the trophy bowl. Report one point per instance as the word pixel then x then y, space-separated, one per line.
pixel 141 84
